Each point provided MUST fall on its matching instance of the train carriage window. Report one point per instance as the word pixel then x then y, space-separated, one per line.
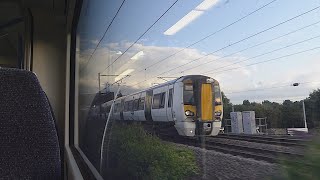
pixel 162 100
pixel 141 104
pixel 170 97
pixel 130 105
pixel 126 105
pixel 136 104
pixel 156 101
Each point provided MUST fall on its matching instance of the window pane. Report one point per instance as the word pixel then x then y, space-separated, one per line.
pixel 136 105
pixel 264 55
pixel 188 97
pixel 156 101
pixel 130 106
pixel 162 100
pixel 141 103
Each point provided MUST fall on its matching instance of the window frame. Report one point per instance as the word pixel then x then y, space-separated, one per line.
pixel 78 165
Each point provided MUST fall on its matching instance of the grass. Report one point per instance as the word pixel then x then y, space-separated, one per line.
pixel 134 154
pixel 308 167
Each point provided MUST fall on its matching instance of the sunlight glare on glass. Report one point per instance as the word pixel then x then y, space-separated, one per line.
pixel 137 56
pixel 206 4
pixel 191 16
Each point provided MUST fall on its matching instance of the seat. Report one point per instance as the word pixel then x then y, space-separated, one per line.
pixel 29 146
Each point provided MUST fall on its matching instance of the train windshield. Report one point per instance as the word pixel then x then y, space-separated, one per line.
pixel 188 94
pixel 217 95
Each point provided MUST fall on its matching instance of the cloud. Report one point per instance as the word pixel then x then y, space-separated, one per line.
pixel 95 42
pixel 241 79
pixel 104 56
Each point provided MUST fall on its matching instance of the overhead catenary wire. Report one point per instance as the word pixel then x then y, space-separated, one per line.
pixel 207 36
pixel 273 87
pixel 256 45
pixel 104 34
pixel 266 53
pixel 269 60
pixel 268 88
pixel 140 37
pixel 244 39
pixel 248 37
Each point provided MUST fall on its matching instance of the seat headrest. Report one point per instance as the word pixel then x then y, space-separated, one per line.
pixel 28 139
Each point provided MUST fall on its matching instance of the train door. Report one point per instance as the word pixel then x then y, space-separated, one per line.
pixel 206 102
pixel 121 109
pixel 140 111
pixel 148 105
pixel 134 112
pixel 158 111
pixel 131 108
pixel 169 103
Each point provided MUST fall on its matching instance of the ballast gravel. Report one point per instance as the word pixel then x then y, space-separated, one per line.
pixel 272 147
pixel 216 165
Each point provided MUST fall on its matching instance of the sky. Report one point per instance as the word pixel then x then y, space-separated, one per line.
pixel 274 44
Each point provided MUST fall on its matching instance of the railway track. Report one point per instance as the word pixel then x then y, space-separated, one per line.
pixel 273 156
pixel 282 141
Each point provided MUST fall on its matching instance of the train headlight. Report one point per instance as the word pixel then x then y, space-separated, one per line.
pixel 217 113
pixel 189 113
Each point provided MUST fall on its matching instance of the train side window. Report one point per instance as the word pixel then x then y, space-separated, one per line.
pixel 130 106
pixel 170 97
pixel 126 106
pixel 162 100
pixel 141 104
pixel 121 109
pixel 136 104
pixel 156 101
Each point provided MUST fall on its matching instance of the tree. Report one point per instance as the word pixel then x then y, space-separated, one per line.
pixel 227 106
pixel 246 102
pixel 285 115
pixel 312 104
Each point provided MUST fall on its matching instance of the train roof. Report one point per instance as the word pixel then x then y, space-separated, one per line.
pixel 166 83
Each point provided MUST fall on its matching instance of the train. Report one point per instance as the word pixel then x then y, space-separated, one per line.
pixel 191 104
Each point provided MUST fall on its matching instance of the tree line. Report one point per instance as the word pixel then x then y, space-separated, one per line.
pixel 281 115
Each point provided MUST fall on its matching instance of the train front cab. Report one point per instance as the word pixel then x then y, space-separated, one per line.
pixel 202 107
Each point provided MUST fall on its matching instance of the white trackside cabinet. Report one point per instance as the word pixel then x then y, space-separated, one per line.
pixel 236 122
pixel 249 122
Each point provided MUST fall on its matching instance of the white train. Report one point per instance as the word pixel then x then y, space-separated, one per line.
pixel 192 104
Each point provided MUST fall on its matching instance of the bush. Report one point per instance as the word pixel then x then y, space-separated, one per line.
pixel 138 155
pixel 308 168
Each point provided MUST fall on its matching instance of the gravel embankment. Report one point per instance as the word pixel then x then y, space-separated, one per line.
pixel 272 147
pixel 216 165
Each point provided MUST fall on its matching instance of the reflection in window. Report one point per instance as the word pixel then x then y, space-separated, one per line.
pixel 116 48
